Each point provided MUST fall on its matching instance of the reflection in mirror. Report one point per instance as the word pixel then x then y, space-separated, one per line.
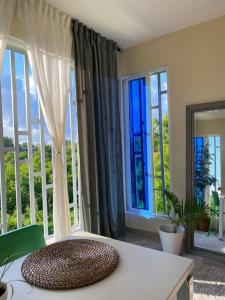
pixel 209 176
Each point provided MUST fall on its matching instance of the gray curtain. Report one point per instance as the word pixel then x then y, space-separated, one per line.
pixel 99 132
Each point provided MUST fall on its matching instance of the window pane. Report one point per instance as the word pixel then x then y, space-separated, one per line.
pixel 10 189
pixel 69 170
pixel 77 213
pixel 33 97
pixel 164 104
pixel 166 149
pixel 48 155
pixel 156 142
pixel 50 210
pixel 20 91
pixel 135 106
pixel 69 155
pixel 163 81
pixel 72 216
pixel 138 153
pixel 210 141
pixel 48 163
pixel 23 147
pixel 218 167
pixel 158 196
pixel 36 147
pixel 154 90
pixel 38 199
pixel 217 141
pixel 74 148
pixel 7 111
pixel 160 142
pixel 25 194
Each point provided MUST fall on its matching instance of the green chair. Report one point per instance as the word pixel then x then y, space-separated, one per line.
pixel 216 209
pixel 20 242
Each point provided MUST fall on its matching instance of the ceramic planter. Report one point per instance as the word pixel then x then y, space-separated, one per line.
pixel 203 224
pixel 171 242
pixel 3 291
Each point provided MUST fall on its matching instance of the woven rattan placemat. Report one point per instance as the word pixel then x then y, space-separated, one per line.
pixel 70 264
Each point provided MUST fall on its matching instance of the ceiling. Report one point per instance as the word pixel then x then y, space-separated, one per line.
pixel 210 115
pixel 130 22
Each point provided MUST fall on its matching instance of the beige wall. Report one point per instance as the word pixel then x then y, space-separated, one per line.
pixel 15 30
pixel 195 58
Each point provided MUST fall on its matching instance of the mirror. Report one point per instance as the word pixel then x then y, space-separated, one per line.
pixel 206 171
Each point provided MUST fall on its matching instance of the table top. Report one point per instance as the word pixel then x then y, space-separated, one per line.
pixel 142 273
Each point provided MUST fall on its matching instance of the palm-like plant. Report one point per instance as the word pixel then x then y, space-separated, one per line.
pixel 185 213
pixel 6 263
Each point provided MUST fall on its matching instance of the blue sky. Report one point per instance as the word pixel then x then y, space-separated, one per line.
pixel 20 93
pixel 153 95
pixel 215 164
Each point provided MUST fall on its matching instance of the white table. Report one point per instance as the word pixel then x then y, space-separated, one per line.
pixel 142 273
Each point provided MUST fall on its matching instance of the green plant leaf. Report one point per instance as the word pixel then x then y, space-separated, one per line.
pixel 186 213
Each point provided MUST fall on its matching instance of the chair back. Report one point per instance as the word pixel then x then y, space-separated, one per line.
pixel 20 242
pixel 216 200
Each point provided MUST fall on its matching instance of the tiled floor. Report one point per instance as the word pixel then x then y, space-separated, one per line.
pixel 211 243
pixel 209 273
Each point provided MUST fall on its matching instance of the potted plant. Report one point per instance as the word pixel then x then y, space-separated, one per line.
pixel 3 291
pixel 183 217
pixel 4 286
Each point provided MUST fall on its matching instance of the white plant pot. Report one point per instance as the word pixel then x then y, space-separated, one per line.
pixel 171 242
pixel 4 286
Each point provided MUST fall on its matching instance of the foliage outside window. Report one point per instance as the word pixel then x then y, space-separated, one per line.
pixel 26 188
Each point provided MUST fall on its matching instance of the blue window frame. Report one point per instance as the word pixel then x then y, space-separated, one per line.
pixel 138 146
pixel 146 155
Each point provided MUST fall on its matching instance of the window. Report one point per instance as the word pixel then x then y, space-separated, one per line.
pixel 146 136
pixel 138 143
pixel 26 187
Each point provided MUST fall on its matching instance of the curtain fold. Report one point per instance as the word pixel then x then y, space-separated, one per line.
pixel 47 33
pixel 6 13
pixel 99 132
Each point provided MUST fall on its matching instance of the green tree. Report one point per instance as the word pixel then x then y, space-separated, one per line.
pixel 157 160
pixel 24 183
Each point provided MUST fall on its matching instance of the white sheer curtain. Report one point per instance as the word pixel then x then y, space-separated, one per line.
pixel 6 13
pixel 48 38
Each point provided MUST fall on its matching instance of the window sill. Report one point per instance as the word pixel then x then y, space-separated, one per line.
pixel 147 215
pixel 50 239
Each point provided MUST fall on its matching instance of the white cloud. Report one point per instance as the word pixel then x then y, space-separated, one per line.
pixel 20 77
pixel 7 127
pixel 33 90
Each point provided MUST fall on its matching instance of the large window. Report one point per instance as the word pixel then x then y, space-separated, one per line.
pixel 146 137
pixel 26 188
